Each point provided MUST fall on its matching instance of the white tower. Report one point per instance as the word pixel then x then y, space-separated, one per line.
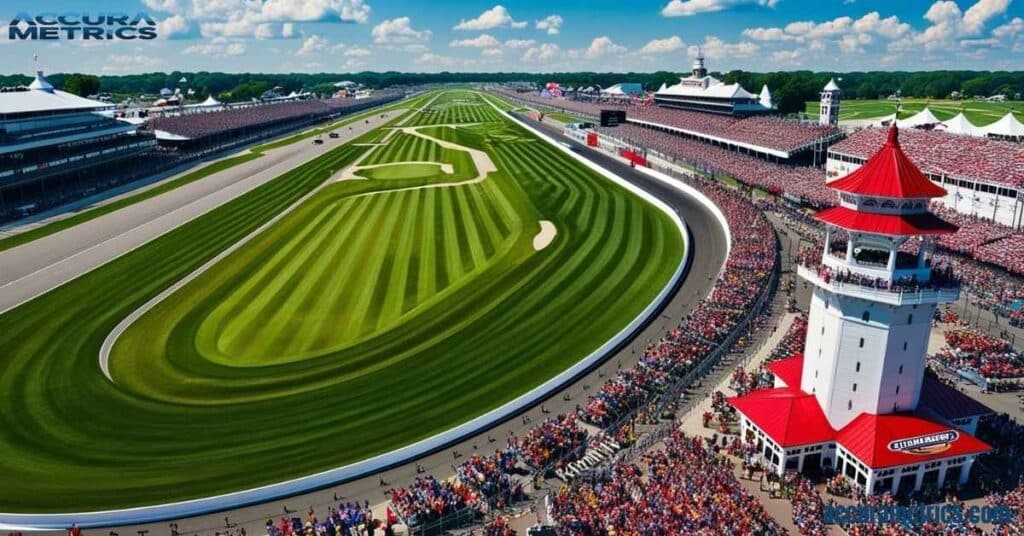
pixel 872 304
pixel 699 71
pixel 828 111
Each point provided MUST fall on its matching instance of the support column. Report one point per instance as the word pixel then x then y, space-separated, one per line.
pixel 942 475
pixel 891 265
pixel 966 471
pixel 895 483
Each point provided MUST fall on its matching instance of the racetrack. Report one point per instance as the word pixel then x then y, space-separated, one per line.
pixel 708 254
pixel 198 408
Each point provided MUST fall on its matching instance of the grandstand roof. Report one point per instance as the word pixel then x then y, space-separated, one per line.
pixel 902 439
pixel 889 173
pixel 42 97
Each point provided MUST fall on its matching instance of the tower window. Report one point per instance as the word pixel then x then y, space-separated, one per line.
pixel 897 389
pixel 862 342
pixel 904 346
pixel 849 404
pixel 910 319
pixel 900 372
pixel 858 367
pixel 822 330
pixel 866 316
pixel 854 388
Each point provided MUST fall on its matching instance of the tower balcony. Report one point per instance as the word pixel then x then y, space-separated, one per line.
pixel 899 292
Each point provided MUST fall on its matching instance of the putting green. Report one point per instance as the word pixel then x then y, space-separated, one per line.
pixel 402 171
pixel 372 315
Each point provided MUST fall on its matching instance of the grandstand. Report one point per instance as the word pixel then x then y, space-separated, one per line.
pixel 54 143
pixel 702 92
pixel 983 176
pixel 769 138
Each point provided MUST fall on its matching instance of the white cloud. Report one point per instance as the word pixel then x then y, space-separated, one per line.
pixel 768 34
pixel 889 27
pixel 714 48
pixel 541 54
pixel 175 25
pixel 687 8
pixel 603 46
pixel 519 43
pixel 398 31
pixel 491 52
pixel 496 17
pixel 132 63
pixel 415 47
pixel 358 52
pixel 261 18
pixel 1014 28
pixel 353 63
pixel 949 23
pixel 218 47
pixel 853 43
pixel 481 41
pixel 312 44
pixel 436 59
pixel 552 24
pixel 661 46
pixel 786 56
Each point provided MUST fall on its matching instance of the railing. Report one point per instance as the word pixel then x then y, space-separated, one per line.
pixel 894 296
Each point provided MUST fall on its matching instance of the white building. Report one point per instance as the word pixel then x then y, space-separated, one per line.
pixel 704 93
pixel 828 109
pixel 857 400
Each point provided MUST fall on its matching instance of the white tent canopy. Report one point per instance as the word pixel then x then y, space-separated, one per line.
pixel 210 101
pixel 766 97
pixel 960 125
pixel 1009 126
pixel 924 117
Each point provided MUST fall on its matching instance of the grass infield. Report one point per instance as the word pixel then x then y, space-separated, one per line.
pixel 979 113
pixel 375 314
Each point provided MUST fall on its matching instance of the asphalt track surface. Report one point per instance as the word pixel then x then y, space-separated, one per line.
pixel 708 246
pixel 36 267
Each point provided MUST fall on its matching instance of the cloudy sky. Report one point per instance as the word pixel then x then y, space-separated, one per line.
pixel 521 35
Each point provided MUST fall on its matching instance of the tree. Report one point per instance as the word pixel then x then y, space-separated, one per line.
pixel 82 85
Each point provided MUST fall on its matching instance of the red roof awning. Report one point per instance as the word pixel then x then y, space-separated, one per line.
pixel 886 224
pixel 901 439
pixel 788 415
pixel 889 173
pixel 788 370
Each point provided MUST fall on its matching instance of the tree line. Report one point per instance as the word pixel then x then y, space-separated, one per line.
pixel 790 89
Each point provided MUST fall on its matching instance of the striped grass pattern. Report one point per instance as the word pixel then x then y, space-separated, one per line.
pixel 377 313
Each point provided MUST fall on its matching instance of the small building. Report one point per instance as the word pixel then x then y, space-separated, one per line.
pixel 857 400
pixel 704 93
pixel 828 108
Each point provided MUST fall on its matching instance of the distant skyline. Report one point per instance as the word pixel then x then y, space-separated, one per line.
pixel 532 36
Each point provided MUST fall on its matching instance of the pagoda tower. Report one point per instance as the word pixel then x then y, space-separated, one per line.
pixel 874 296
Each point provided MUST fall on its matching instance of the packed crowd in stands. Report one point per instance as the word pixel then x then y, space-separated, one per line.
pixel 684 488
pixel 758 131
pixel 973 231
pixel 742 281
pixel 939 153
pixel 348 518
pixel 1005 253
pixel 971 350
pixel 800 182
pixel 428 499
pixel 195 126
pixel 551 440
pixel 764 132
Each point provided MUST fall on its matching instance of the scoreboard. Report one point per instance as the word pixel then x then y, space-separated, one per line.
pixel 612 118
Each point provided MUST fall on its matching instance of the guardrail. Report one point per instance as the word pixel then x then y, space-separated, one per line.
pixel 890 296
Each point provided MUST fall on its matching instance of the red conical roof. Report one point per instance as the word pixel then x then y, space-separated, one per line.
pixel 889 173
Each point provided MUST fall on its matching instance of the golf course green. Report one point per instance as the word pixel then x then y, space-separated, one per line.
pixel 404 296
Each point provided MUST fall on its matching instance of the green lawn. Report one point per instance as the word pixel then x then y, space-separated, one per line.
pixel 375 314
pixel 979 113
pixel 220 165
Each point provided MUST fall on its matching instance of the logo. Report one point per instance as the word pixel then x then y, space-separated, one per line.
pixel 925 444
pixel 84 26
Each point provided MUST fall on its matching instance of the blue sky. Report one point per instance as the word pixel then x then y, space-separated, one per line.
pixel 521 35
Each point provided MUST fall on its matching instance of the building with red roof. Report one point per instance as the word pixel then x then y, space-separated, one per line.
pixel 857 400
